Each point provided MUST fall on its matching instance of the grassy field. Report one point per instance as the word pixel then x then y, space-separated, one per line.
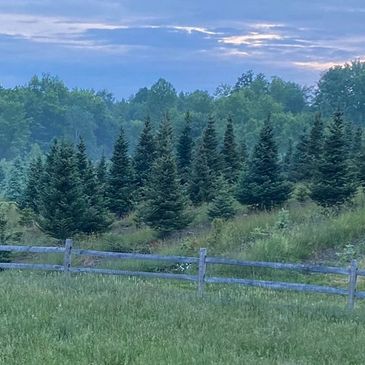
pixel 49 319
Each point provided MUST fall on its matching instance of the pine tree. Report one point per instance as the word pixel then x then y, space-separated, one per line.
pixel 315 143
pixel 145 154
pixel 201 186
pixel 102 175
pixel 210 145
pixel 334 184
pixel 243 153
pixel 120 180
pixel 361 167
pixel 301 164
pixel 288 159
pixel 261 183
pixel 33 185
pixel 62 205
pixel 165 204
pixel 96 218
pixel 16 182
pixel 223 203
pixel 2 180
pixel 231 161
pixel 356 155
pixel 185 151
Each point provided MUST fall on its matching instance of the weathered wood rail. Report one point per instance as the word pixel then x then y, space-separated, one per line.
pixel 352 272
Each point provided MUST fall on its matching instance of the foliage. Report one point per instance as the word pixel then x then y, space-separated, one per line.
pixel 334 181
pixel 185 150
pixel 231 159
pixel 120 179
pixel 223 204
pixel 62 207
pixel 261 183
pixel 165 205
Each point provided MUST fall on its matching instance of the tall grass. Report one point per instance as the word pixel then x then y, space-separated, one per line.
pixel 84 320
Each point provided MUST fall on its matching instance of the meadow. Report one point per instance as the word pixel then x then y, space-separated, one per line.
pixel 50 319
pixel 46 318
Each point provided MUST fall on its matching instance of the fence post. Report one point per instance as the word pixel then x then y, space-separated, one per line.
pixel 67 257
pixel 202 271
pixel 352 284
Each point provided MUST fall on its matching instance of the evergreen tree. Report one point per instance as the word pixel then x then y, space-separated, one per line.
pixel 301 162
pixel 243 153
pixel 231 159
pixel 356 143
pixel 334 184
pixel 96 218
pixel 210 145
pixel 33 185
pixel 223 203
pixel 288 159
pixel 356 155
pixel 315 144
pixel 164 138
pixel 145 155
pixel 262 183
pixel 102 175
pixel 62 206
pixel 165 204
pixel 361 167
pixel 201 186
pixel 2 180
pixel 16 182
pixel 120 179
pixel 185 150
pixel 82 159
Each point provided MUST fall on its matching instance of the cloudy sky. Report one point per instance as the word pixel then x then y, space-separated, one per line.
pixel 122 45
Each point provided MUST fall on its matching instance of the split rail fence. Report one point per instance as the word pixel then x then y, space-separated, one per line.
pixel 352 272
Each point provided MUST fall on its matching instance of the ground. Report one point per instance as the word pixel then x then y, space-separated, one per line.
pixel 52 319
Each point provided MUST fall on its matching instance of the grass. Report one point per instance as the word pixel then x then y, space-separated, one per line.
pixel 49 319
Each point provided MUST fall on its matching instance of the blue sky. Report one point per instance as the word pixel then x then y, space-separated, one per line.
pixel 127 44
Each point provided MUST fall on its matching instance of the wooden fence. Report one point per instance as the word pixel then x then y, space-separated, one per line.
pixel 352 272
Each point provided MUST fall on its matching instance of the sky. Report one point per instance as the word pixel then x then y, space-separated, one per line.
pixel 124 45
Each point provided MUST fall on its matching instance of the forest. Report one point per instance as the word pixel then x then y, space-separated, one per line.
pixel 75 160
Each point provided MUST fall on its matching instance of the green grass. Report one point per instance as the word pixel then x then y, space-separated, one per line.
pixel 49 319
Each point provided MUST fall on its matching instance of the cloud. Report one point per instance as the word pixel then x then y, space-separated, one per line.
pixel 252 39
pixel 322 65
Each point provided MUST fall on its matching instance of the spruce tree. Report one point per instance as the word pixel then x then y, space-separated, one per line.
pixel 185 150
pixel 62 206
pixel 333 184
pixel 120 179
pixel 261 183
pixel 301 165
pixel 243 153
pixel 165 203
pixel 288 159
pixel 96 218
pixel 201 187
pixel 210 145
pixel 315 143
pixel 145 154
pixel 33 185
pixel 223 203
pixel 231 161
pixel 102 175
pixel 16 182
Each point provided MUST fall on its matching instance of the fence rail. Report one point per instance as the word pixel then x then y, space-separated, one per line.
pixel 352 272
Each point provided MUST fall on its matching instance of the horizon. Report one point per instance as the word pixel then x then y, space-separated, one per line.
pixel 122 46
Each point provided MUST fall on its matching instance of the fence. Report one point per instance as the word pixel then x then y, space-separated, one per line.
pixel 352 272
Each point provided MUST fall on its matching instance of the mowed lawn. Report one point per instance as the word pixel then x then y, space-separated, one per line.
pixel 50 319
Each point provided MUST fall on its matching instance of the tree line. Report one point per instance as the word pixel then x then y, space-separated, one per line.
pixel 32 115
pixel 69 194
